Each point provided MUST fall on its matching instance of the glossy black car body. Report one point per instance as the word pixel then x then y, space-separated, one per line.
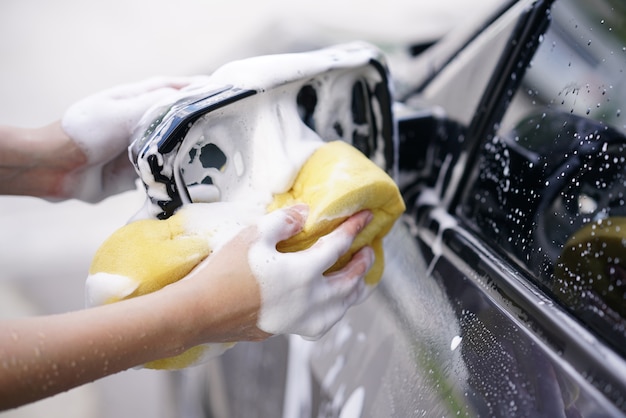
pixel 510 143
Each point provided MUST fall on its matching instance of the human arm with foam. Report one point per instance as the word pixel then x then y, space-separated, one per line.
pixel 85 154
pixel 246 290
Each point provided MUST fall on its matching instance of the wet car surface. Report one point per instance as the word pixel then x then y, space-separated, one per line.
pixel 504 287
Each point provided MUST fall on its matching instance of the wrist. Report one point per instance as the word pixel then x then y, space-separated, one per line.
pixel 216 303
pixel 35 162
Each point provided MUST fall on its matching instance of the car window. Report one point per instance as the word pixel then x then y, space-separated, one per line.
pixel 550 185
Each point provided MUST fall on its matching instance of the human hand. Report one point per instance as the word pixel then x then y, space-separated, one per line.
pixel 101 126
pixel 296 296
pixel 274 292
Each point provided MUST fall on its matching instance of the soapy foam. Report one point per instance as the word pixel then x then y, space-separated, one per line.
pixel 218 222
pixel 284 68
pixel 102 288
pixel 298 388
pixel 264 152
pixel 102 123
pixel 263 135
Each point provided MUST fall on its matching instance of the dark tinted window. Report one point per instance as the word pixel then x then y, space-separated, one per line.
pixel 550 188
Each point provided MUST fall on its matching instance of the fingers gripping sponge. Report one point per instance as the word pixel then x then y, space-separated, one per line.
pixel 336 182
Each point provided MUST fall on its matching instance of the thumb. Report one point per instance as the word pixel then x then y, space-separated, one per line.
pixel 283 223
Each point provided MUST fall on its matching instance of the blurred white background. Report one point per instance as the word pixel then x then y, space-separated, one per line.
pixel 55 53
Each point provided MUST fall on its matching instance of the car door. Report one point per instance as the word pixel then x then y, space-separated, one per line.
pixel 526 232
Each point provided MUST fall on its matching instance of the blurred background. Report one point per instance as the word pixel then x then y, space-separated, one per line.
pixel 55 53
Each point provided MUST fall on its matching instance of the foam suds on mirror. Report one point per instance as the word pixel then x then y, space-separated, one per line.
pixel 263 138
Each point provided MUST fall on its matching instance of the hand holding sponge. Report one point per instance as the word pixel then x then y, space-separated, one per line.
pixel 336 182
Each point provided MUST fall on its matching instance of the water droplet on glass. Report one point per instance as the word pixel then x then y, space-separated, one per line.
pixel 456 340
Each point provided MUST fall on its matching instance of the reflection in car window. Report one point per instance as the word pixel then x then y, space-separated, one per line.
pixel 551 184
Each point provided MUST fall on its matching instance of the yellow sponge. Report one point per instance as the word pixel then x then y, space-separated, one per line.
pixel 336 182
pixel 153 253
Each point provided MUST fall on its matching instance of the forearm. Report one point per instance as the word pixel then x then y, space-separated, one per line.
pixel 43 356
pixel 34 162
